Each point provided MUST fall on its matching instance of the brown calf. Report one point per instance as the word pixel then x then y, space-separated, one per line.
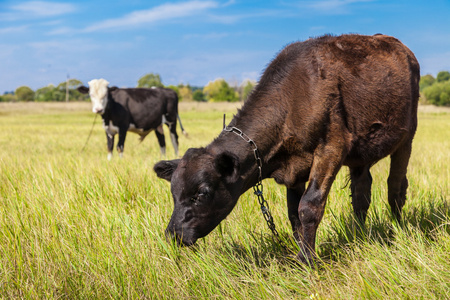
pixel 320 104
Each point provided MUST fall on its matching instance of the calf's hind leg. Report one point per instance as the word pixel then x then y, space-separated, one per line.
pixel 361 183
pixel 293 200
pixel 397 181
pixel 162 142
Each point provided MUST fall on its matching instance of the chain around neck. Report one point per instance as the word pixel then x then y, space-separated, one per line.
pixel 258 187
pixel 246 138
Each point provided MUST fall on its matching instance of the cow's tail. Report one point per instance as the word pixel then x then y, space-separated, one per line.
pixel 181 126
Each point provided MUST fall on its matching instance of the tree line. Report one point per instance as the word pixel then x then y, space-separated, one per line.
pixel 215 91
pixel 436 90
pixel 65 91
pixel 433 90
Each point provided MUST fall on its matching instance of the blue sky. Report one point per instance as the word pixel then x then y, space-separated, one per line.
pixel 195 41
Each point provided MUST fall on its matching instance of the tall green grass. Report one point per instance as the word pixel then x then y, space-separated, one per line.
pixel 73 225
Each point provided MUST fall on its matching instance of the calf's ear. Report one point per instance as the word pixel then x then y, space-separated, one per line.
pixel 227 164
pixel 112 89
pixel 82 89
pixel 165 168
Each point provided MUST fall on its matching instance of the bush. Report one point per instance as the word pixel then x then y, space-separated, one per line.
pixel 8 98
pixel 150 80
pixel 58 93
pixel 219 90
pixel 247 89
pixel 426 81
pixel 24 93
pixel 443 76
pixel 198 96
pixel 438 93
pixel 226 93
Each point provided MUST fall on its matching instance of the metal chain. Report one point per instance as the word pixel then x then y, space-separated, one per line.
pixel 258 187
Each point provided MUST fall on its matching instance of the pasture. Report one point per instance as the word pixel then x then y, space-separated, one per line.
pixel 73 225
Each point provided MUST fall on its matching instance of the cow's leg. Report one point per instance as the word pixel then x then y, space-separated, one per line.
pixel 110 144
pixel 361 184
pixel 121 142
pixel 174 135
pixel 162 142
pixel 293 200
pixel 326 164
pixel 397 181
pixel 170 120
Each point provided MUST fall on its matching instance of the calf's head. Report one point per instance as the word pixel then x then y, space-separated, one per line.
pixel 98 92
pixel 203 189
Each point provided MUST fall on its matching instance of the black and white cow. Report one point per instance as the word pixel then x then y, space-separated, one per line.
pixel 137 110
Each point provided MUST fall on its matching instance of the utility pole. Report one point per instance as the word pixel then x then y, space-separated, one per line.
pixel 67 88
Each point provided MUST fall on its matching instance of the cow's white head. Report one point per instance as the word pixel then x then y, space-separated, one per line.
pixel 98 91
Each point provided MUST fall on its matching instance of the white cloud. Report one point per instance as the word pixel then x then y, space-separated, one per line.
pixel 61 31
pixel 38 9
pixel 16 29
pixel 6 51
pixel 255 14
pixel 200 68
pixel 55 50
pixel 159 13
pixel 208 36
pixel 334 6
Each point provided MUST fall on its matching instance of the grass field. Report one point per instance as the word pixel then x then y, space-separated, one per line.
pixel 73 225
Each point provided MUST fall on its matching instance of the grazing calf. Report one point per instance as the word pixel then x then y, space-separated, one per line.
pixel 136 110
pixel 323 103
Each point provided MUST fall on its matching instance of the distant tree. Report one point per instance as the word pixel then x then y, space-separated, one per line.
pixel 194 88
pixel 185 93
pixel 226 93
pixel 438 93
pixel 443 76
pixel 198 96
pixel 8 97
pixel 246 88
pixel 150 80
pixel 426 81
pixel 45 94
pixel 24 93
pixel 219 90
pixel 444 97
pixel 74 94
pixel 73 84
pixel 212 89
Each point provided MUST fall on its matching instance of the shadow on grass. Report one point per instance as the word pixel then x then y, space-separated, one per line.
pixel 261 251
pixel 381 227
pixel 343 233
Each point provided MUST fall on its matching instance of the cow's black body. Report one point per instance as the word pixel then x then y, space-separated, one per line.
pixel 140 111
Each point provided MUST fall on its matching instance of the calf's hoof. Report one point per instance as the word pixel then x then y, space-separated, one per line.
pixel 306 259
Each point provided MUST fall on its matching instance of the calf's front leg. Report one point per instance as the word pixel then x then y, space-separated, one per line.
pixel 326 164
